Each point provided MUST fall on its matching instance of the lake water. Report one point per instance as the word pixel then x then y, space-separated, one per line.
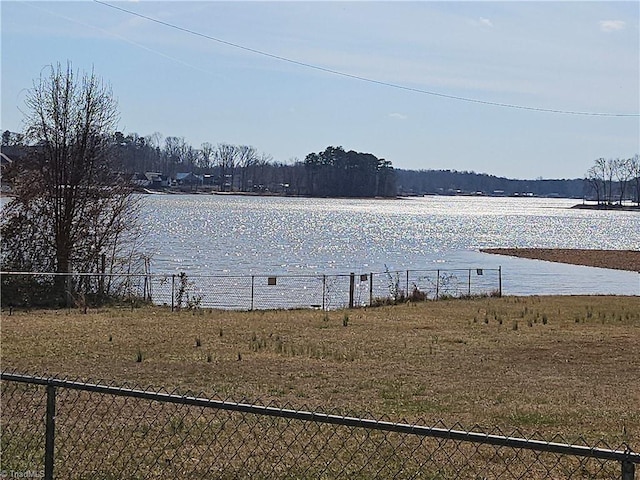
pixel 242 235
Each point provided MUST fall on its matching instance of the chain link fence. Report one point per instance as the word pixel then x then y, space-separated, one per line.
pixel 67 429
pixel 255 292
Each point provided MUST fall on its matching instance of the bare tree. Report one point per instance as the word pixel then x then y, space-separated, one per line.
pixel 70 210
pixel 205 158
pixel 154 140
pixel 260 171
pixel 247 158
pixel 613 177
pixel 177 154
pixel 226 156
pixel 622 173
pixel 597 178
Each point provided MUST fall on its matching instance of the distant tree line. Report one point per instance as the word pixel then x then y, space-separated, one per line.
pixel 452 182
pixel 241 168
pixel 336 172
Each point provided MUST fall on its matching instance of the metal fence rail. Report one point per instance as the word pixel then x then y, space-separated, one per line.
pixel 56 428
pixel 250 292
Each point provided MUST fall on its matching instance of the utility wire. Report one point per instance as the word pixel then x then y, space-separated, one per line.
pixel 361 78
pixel 113 34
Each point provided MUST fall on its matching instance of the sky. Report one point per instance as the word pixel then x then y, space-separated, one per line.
pixel 516 89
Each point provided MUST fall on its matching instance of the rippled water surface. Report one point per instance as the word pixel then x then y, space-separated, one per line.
pixel 214 234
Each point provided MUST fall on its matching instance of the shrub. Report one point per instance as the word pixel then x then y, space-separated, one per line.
pixel 416 294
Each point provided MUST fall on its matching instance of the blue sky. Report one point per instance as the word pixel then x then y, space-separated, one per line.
pixel 567 56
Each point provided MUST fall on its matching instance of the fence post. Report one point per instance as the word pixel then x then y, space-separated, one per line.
pixel 68 296
pixel 500 281
pixel 407 284
pixel 324 290
pixel 103 269
pixel 370 288
pixel 50 432
pixel 628 470
pixel 437 284
pixel 352 284
pixel 252 282
pixel 173 286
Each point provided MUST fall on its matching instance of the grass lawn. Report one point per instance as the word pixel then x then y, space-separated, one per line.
pixel 568 365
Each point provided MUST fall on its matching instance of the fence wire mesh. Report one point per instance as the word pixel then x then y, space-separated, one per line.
pixel 116 432
pixel 252 292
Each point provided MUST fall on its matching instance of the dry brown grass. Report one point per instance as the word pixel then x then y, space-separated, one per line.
pixel 566 365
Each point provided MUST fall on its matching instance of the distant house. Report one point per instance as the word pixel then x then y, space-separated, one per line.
pixel 151 180
pixel 189 179
pixel 140 180
pixel 157 180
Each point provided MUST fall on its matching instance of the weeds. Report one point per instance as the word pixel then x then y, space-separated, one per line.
pixel 182 289
pixel 182 296
pixel 416 294
pixel 320 350
pixel 395 292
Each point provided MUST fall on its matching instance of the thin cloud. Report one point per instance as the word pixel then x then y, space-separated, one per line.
pixel 608 26
pixel 486 22
pixel 398 116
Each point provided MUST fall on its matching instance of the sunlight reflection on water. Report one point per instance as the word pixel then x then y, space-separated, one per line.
pixel 214 234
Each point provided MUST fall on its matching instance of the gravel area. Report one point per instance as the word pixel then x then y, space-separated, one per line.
pixel 614 259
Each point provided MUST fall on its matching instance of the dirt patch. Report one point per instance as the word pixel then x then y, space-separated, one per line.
pixel 614 259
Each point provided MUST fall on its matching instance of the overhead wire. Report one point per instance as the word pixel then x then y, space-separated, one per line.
pixel 359 77
pixel 113 34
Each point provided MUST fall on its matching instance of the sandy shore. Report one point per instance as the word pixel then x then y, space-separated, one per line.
pixel 615 259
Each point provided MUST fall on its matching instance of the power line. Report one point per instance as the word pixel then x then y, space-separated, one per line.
pixel 125 39
pixel 361 78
